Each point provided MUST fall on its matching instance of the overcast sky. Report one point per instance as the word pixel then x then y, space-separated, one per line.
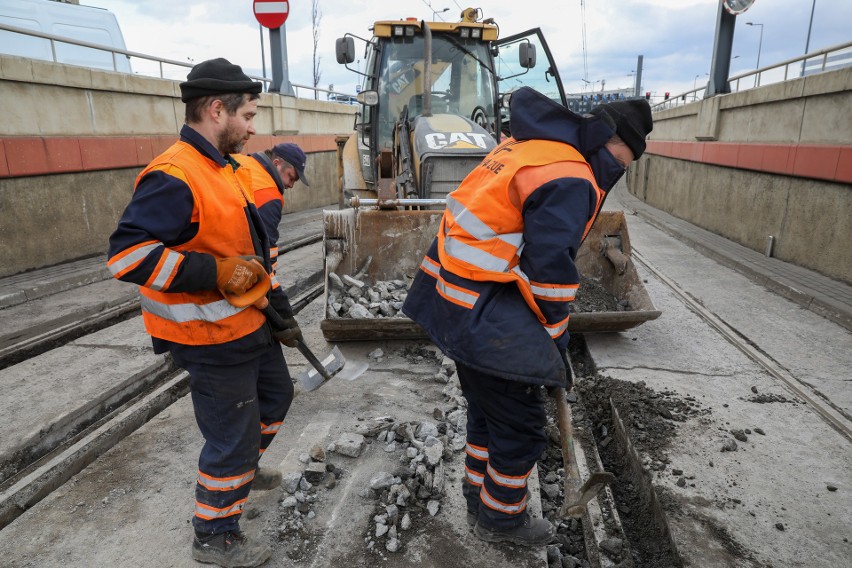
pixel 674 36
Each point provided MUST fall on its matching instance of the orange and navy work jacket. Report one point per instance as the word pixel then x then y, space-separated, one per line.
pixel 188 209
pixel 494 289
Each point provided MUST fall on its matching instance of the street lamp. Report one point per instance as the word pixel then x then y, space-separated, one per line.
pixel 760 43
pixel 436 12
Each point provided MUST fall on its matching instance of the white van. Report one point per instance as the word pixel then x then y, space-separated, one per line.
pixel 82 23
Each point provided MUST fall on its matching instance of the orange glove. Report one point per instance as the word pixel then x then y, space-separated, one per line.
pixel 242 280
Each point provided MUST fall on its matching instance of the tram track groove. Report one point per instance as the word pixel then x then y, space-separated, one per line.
pixel 826 411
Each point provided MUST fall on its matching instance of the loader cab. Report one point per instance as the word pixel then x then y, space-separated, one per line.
pixel 468 71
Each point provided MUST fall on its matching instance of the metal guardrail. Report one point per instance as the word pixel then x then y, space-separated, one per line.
pixel 827 59
pixel 151 66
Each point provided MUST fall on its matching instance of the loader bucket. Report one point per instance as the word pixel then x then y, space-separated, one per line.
pixel 382 245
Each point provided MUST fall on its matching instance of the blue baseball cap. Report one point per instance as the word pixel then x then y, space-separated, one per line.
pixel 293 155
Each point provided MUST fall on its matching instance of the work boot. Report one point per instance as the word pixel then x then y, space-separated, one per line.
pixel 266 478
pixel 231 549
pixel 531 532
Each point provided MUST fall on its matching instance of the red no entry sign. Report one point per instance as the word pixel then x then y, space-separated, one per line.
pixel 271 13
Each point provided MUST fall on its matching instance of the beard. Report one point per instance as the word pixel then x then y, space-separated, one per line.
pixel 230 141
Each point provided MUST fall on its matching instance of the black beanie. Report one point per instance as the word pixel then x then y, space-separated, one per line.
pixel 217 77
pixel 632 120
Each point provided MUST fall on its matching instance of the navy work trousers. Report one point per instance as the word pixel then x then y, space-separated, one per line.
pixel 505 436
pixel 238 409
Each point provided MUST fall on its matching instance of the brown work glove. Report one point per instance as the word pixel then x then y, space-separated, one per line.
pixel 242 279
pixel 291 334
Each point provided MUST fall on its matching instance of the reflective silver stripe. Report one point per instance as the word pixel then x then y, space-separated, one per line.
pixel 473 477
pixel 498 506
pixel 474 256
pixel 465 298
pixel 180 313
pixel 477 453
pixel 274 280
pixel 172 260
pixel 271 429
pixel 515 482
pixel 517 270
pixel 205 512
pixel 429 266
pixel 566 293
pixel 476 228
pixel 132 258
pixel 557 331
pixel 226 484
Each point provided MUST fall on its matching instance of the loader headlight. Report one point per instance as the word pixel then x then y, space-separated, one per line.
pixel 476 33
pixel 464 32
pixel 398 31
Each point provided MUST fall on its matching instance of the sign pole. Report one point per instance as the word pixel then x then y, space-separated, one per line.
pixel 280 72
pixel 272 14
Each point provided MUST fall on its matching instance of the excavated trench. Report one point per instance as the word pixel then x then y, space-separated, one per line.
pixel 631 428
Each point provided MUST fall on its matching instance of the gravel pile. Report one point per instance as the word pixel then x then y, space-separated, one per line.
pixel 350 297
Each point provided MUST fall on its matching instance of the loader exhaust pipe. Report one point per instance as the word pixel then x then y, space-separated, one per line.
pixel 427 69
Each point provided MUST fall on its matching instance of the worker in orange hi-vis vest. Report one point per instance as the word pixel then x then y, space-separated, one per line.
pixel 192 239
pixel 495 287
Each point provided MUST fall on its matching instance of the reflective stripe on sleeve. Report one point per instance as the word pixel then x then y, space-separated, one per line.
pixel 554 292
pixel 163 276
pixel 271 429
pixel 180 313
pixel 515 482
pixel 128 259
pixel 557 329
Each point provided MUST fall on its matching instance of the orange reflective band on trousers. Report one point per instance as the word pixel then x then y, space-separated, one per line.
pixel 224 483
pixel 508 508
pixel 209 513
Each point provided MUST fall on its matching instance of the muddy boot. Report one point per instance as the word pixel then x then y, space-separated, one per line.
pixel 532 532
pixel 230 549
pixel 266 478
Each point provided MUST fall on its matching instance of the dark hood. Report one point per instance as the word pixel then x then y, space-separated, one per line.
pixel 534 116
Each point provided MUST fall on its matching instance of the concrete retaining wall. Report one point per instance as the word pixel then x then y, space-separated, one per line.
pixel 73 140
pixel 773 161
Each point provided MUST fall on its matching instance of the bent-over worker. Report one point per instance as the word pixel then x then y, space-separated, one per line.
pixel 494 288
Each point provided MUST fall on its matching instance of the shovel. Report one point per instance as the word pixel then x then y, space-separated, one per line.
pixel 577 496
pixel 322 371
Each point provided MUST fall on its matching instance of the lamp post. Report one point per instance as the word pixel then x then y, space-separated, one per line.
pixel 436 12
pixel 760 42
pixel 808 40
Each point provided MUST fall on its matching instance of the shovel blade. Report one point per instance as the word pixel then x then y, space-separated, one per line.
pixel 312 379
pixel 575 505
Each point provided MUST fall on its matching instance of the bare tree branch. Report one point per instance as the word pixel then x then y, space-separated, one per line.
pixel 316 18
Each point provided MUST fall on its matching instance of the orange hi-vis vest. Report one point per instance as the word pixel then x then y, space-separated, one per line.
pixel 221 196
pixel 481 238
